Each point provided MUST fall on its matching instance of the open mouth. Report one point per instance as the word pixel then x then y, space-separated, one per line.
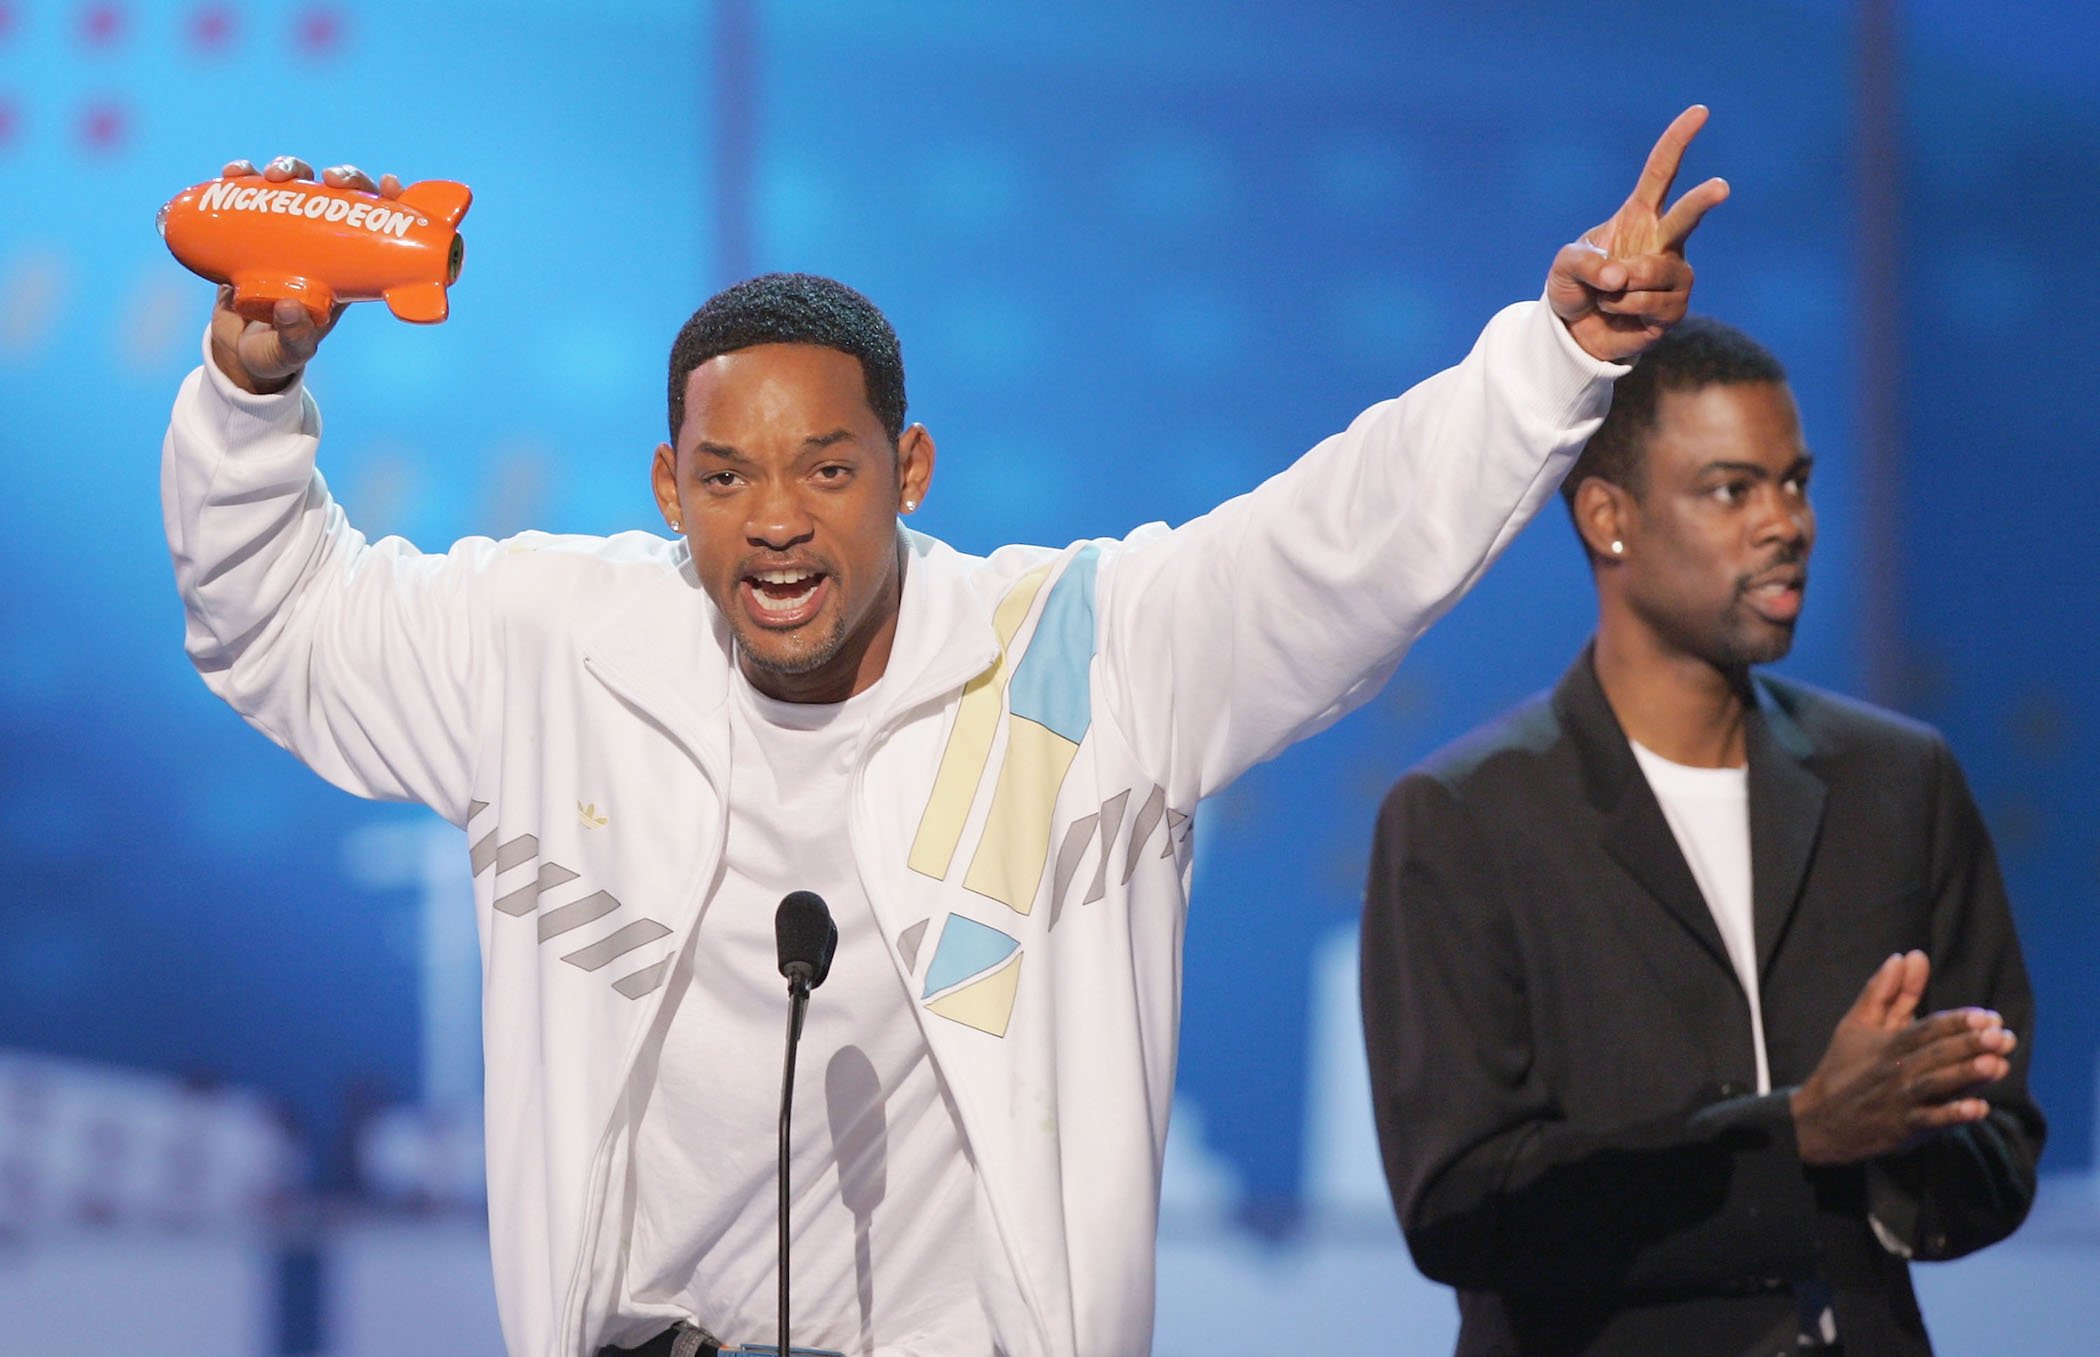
pixel 786 596
pixel 1777 597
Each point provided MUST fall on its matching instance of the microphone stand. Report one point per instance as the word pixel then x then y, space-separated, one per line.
pixel 806 938
pixel 798 1003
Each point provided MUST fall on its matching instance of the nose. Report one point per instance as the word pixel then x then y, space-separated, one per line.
pixel 1787 520
pixel 777 517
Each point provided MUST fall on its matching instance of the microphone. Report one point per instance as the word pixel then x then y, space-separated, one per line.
pixel 805 938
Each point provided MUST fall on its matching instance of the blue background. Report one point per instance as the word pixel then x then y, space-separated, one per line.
pixel 1140 256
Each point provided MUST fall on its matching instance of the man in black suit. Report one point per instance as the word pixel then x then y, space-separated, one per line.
pixel 1643 958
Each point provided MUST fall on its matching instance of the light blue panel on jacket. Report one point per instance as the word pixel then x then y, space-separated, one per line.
pixel 967 948
pixel 1050 688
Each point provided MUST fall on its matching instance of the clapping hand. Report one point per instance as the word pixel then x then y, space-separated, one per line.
pixel 1888 1079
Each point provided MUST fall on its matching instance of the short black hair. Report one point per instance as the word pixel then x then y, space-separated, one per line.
pixel 794 308
pixel 1697 353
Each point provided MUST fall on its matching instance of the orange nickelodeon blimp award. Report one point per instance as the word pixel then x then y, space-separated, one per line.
pixel 321 245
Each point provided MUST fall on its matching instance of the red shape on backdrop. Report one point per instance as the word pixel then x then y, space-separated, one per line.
pixel 102 126
pixel 320 32
pixel 7 21
pixel 102 25
pixel 211 28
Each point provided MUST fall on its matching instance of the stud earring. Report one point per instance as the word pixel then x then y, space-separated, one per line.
pixel 1618 548
pixel 676 526
pixel 910 505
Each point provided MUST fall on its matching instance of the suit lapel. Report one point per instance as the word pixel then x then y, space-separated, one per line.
pixel 1635 833
pixel 1786 818
pixel 1639 838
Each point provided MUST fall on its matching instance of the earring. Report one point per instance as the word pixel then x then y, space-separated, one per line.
pixel 676 526
pixel 1618 548
pixel 910 505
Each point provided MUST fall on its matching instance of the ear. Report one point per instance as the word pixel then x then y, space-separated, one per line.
pixel 1604 514
pixel 914 467
pixel 663 480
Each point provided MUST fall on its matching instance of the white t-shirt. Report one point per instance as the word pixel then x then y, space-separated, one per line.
pixel 885 1254
pixel 1709 813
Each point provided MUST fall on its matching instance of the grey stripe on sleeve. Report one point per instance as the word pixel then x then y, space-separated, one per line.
pixel 526 898
pixel 1148 818
pixel 589 909
pixel 640 933
pixel 644 981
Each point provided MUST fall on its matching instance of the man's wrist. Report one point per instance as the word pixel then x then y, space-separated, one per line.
pixel 236 372
pixel 1808 1144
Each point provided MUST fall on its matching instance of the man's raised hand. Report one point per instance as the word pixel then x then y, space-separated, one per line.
pixel 1626 281
pixel 264 356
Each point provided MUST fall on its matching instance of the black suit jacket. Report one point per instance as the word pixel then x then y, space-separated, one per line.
pixel 1561 1058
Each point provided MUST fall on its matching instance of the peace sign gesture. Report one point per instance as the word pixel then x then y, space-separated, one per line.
pixel 1626 281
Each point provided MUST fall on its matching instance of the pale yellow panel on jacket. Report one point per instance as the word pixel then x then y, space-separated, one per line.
pixel 970 742
pixel 986 1004
pixel 1009 860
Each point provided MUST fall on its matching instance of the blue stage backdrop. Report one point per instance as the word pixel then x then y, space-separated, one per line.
pixel 1140 256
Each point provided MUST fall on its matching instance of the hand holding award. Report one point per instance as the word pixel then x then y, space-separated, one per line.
pixel 290 251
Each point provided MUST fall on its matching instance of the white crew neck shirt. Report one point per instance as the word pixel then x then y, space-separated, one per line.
pixel 1708 810
pixel 883 1224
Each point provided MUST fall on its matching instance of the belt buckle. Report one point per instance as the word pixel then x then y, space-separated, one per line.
pixel 694 1341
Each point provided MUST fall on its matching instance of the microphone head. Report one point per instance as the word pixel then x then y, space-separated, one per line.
pixel 805 937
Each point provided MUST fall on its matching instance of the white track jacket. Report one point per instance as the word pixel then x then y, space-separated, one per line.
pixel 1021 808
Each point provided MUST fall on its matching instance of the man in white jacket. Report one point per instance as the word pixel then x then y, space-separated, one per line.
pixel 987 765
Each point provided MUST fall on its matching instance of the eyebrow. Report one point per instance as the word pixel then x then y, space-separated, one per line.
pixel 1804 462
pixel 815 442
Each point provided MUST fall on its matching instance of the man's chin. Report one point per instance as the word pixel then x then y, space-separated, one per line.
pixel 1767 644
pixel 788 654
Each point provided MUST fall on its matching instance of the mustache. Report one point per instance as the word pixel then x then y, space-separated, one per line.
pixel 1789 565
